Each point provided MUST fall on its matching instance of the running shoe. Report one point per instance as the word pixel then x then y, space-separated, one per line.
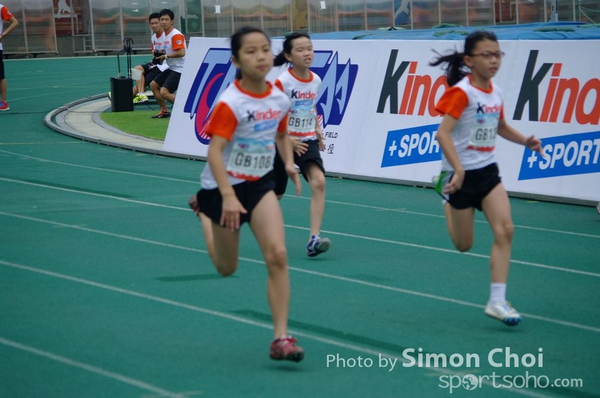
pixel 285 348
pixel 4 106
pixel 317 245
pixel 140 99
pixel 502 311
pixel 162 115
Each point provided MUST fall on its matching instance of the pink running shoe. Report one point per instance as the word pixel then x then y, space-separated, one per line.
pixel 286 348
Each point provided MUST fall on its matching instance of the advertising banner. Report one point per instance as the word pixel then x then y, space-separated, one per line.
pixel 377 103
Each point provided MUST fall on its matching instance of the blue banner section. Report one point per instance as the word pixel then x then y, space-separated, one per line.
pixel 413 145
pixel 564 155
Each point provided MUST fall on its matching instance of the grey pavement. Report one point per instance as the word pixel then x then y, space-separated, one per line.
pixel 81 119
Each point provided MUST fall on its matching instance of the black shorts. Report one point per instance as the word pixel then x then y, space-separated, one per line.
pixel 168 79
pixel 477 184
pixel 147 67
pixel 312 154
pixel 2 76
pixel 249 193
pixel 151 72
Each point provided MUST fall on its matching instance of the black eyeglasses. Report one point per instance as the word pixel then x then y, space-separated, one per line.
pixel 488 56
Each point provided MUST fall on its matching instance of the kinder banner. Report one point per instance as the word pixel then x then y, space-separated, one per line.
pixel 378 97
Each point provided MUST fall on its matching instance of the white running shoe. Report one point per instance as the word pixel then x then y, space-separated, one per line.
pixel 502 311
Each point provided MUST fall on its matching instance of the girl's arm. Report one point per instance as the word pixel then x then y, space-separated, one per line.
pixel 444 137
pixel 230 214
pixel 510 133
pixel 319 131
pixel 285 148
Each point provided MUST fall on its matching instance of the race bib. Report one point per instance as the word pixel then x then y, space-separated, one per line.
pixel 250 159
pixel 301 122
pixel 484 132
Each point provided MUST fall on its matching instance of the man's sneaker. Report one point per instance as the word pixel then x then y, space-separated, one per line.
pixel 317 245
pixel 286 348
pixel 502 311
pixel 439 182
pixel 4 106
pixel 140 98
pixel 162 115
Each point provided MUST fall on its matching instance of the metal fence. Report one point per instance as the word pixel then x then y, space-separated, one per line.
pixel 68 27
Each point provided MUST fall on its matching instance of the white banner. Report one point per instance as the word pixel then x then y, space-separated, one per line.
pixel 377 100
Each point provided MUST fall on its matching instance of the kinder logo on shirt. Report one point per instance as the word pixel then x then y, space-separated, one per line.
pixel 409 146
pixel 308 95
pixel 337 82
pixel 264 120
pixel 216 72
pixel 564 155
pixel 257 116
pixel 488 109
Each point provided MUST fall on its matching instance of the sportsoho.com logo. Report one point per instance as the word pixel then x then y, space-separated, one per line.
pixel 217 72
pixel 472 382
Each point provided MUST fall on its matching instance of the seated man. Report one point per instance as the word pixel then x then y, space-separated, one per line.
pixel 150 70
pixel 164 85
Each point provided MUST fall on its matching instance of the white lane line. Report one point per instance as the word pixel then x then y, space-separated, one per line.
pixel 301 270
pixel 235 318
pixel 377 208
pixel 84 366
pixel 131 173
pixel 407 244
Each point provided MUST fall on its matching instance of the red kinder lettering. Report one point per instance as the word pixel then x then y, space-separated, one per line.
pixel 421 85
pixel 575 103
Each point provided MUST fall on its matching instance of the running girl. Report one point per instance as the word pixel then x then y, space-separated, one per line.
pixel 237 184
pixel 473 109
pixel 302 86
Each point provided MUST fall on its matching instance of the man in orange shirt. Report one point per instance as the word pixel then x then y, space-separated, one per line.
pixel 5 15
pixel 164 85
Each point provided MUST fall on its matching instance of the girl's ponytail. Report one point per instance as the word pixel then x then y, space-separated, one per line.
pixel 455 69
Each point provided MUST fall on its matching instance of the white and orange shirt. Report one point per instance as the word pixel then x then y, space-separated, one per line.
pixel 5 15
pixel 303 93
pixel 158 43
pixel 173 41
pixel 478 113
pixel 249 122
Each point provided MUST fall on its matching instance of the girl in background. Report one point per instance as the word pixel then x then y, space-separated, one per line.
pixel 302 86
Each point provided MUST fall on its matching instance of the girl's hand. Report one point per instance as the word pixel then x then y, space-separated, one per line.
pixel 230 213
pixel 293 174
pixel 455 182
pixel 322 145
pixel 534 144
pixel 299 146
